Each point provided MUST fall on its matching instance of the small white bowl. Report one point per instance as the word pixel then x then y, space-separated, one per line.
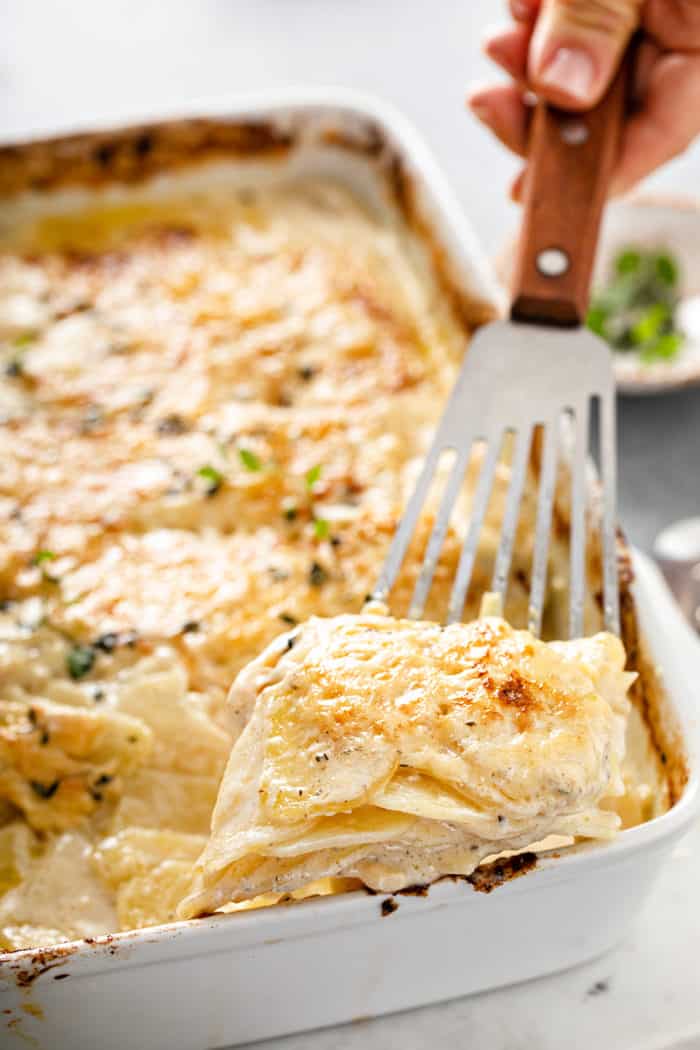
pixel 671 223
pixel 650 221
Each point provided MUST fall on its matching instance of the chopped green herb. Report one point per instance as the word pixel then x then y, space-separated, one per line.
pixel 213 477
pixel 39 559
pixel 42 556
pixel 249 460
pixel 321 528
pixel 635 311
pixel 23 340
pixel 313 475
pixel 80 660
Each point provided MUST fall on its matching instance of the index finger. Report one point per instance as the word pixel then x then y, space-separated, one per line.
pixel 524 10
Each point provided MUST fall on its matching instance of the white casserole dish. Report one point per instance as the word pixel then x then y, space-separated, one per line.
pixel 230 979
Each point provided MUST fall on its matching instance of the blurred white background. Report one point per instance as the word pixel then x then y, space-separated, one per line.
pixel 69 61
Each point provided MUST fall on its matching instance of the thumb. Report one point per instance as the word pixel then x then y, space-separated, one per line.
pixel 576 48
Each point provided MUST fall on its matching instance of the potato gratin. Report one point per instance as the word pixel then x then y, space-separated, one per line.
pixel 397 751
pixel 211 408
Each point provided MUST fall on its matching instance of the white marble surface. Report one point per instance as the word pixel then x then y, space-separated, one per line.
pixel 70 61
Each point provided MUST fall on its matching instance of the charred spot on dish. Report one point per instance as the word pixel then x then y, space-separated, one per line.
pixel 388 906
pixel 488 877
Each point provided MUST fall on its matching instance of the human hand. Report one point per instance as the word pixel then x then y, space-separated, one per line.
pixel 567 51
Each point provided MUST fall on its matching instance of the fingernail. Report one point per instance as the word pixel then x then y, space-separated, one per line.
pixel 570 71
pixel 478 108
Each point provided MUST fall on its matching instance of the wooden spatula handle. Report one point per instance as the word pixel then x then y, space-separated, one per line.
pixel 570 162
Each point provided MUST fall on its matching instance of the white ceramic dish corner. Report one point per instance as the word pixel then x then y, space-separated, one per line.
pixel 231 979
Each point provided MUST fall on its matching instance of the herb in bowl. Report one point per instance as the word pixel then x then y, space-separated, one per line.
pixel 636 311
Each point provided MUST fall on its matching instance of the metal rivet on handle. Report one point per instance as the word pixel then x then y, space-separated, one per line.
pixel 574 132
pixel 552 262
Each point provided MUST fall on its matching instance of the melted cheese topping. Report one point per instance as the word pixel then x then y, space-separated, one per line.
pixel 212 406
pixel 393 750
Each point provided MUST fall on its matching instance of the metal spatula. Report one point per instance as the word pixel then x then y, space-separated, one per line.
pixel 525 373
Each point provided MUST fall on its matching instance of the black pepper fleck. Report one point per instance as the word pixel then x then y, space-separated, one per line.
pixel 288 618
pixel 45 791
pixel 389 906
pixel 105 153
pixel 143 145
pixel 317 575
pixel 107 642
pixel 190 626
pixel 173 425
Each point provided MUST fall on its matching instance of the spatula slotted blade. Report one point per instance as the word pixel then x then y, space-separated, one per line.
pixel 516 378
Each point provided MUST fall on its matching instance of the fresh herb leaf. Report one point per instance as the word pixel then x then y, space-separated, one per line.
pixel 213 477
pixel 652 323
pixel 635 311
pixel 628 261
pixel 41 556
pixel 249 460
pixel 667 269
pixel 313 475
pixel 80 660
pixel 23 340
pixel 664 348
pixel 321 528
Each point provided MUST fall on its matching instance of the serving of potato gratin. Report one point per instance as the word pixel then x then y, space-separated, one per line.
pixel 212 406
